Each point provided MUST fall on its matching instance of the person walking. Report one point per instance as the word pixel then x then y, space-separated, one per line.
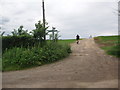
pixel 77 38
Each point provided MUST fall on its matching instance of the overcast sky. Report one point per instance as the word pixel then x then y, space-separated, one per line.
pixel 70 17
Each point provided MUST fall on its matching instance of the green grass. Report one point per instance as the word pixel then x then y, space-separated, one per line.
pixel 110 44
pixel 23 58
pixel 66 41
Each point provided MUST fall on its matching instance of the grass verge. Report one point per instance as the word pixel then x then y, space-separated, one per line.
pixel 110 44
pixel 23 58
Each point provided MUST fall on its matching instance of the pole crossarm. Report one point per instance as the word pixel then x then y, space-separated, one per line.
pixel 53 33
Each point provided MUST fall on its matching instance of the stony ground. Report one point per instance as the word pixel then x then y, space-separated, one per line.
pixel 87 67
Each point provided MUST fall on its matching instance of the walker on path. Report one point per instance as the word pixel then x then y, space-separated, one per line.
pixel 77 38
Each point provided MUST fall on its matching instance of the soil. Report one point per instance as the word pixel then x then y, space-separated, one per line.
pixel 87 67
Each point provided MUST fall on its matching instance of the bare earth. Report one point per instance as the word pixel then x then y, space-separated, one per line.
pixel 87 67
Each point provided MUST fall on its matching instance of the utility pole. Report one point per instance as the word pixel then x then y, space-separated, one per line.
pixel 44 18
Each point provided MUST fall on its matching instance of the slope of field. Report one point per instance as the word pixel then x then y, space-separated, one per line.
pixel 110 44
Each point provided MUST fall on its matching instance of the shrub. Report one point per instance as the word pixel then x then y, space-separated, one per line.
pixel 9 42
pixel 19 58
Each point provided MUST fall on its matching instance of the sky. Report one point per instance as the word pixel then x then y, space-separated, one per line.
pixel 70 17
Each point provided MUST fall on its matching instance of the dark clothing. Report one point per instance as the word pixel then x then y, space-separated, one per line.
pixel 77 37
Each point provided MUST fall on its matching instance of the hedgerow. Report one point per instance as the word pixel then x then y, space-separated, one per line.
pixel 19 57
pixel 9 42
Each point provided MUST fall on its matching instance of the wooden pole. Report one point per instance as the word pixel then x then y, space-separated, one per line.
pixel 44 18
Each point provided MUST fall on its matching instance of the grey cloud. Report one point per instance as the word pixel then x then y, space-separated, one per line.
pixel 19 12
pixel 68 17
pixel 4 20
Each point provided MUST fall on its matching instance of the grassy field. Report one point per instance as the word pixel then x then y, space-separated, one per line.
pixel 110 44
pixel 68 41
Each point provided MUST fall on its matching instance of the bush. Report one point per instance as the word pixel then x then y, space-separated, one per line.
pixel 19 58
pixel 9 42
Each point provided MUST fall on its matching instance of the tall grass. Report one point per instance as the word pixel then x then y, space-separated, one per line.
pixel 21 58
pixel 110 44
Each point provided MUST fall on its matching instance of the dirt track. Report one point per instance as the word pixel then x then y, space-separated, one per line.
pixel 87 67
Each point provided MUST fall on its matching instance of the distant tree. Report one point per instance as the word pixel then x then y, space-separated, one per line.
pixel 39 32
pixel 20 32
pixel 14 33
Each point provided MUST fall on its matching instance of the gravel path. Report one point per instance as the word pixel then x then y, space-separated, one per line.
pixel 87 67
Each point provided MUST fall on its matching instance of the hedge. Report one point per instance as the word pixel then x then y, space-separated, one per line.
pixel 18 41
